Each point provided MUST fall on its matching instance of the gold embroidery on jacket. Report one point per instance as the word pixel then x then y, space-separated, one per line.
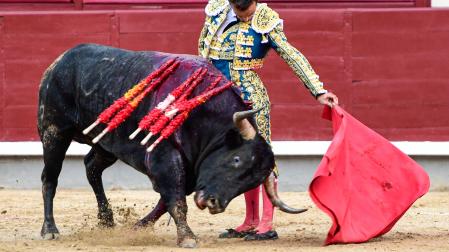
pixel 251 84
pixel 214 54
pixel 245 40
pixel 221 47
pixel 211 29
pixel 244 52
pixel 247 64
pixel 265 19
pixel 215 44
pixel 214 7
pixel 244 27
pixel 203 34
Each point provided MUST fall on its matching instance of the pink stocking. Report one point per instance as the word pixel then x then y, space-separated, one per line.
pixel 266 224
pixel 252 210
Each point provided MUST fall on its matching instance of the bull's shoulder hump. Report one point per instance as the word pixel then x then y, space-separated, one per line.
pixel 96 48
pixel 187 58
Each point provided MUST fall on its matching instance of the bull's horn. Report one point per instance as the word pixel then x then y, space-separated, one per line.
pixel 238 116
pixel 246 129
pixel 270 188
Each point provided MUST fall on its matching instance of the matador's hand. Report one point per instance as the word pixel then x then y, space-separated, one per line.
pixel 328 99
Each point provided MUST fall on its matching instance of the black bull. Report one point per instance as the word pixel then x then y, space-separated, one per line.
pixel 208 155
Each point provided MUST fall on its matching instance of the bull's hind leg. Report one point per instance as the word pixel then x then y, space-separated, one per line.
pixel 96 161
pixel 55 143
pixel 152 217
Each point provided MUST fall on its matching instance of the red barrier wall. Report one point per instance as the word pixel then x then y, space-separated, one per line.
pixel 388 66
pixel 34 5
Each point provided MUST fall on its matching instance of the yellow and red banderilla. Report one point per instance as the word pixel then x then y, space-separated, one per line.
pixel 168 115
pixel 108 113
pixel 123 107
pixel 154 114
pixel 183 109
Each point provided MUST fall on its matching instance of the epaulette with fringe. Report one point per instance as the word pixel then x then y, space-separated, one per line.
pixel 265 19
pixel 215 7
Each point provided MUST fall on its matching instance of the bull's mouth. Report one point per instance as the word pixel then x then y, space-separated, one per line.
pixel 202 201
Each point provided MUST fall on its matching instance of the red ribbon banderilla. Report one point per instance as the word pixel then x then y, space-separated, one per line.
pixel 132 103
pixel 106 115
pixel 183 109
pixel 164 119
pixel 155 113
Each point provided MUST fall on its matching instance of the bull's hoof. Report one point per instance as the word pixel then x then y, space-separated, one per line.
pixel 106 219
pixel 143 224
pixel 188 243
pixel 49 232
pixel 106 224
pixel 50 236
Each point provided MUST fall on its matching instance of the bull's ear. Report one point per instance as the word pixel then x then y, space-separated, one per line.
pixel 233 138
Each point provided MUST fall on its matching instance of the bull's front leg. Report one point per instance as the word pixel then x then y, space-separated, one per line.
pixel 168 175
pixel 178 210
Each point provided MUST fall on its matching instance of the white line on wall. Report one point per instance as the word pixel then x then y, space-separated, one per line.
pixel 440 3
pixel 280 148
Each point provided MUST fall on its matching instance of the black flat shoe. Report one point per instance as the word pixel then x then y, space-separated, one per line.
pixel 232 233
pixel 270 235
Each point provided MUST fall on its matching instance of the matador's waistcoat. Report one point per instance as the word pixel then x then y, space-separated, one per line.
pixel 245 45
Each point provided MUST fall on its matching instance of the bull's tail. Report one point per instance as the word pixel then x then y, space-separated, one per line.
pixel 56 134
pixel 46 80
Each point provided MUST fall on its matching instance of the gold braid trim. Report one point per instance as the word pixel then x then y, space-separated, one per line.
pixel 247 64
pixel 265 19
pixel 202 37
pixel 214 7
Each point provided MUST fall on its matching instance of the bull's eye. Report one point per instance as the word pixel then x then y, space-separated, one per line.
pixel 236 160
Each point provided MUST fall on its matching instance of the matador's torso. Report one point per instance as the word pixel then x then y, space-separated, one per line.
pixel 238 48
pixel 244 45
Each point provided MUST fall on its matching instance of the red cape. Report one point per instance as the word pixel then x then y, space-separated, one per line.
pixel 364 183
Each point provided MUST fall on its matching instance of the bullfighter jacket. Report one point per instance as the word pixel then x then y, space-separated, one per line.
pixel 241 48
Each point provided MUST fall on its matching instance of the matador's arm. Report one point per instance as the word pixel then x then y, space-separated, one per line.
pixel 296 60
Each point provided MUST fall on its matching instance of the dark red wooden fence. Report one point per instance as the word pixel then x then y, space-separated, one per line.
pixel 388 66
pixel 145 4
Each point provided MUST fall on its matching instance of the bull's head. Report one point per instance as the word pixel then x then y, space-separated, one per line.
pixel 244 161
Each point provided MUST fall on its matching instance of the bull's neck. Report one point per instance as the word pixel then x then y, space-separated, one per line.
pixel 205 137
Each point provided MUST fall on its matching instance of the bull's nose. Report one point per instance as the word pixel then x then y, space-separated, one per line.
pixel 212 202
pixel 214 205
pixel 199 200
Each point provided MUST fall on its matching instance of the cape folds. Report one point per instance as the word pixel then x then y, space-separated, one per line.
pixel 364 183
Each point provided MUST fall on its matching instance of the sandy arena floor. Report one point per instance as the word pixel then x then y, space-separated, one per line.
pixel 425 227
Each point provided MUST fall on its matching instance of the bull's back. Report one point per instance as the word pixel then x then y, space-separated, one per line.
pixel 88 78
pixel 85 80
